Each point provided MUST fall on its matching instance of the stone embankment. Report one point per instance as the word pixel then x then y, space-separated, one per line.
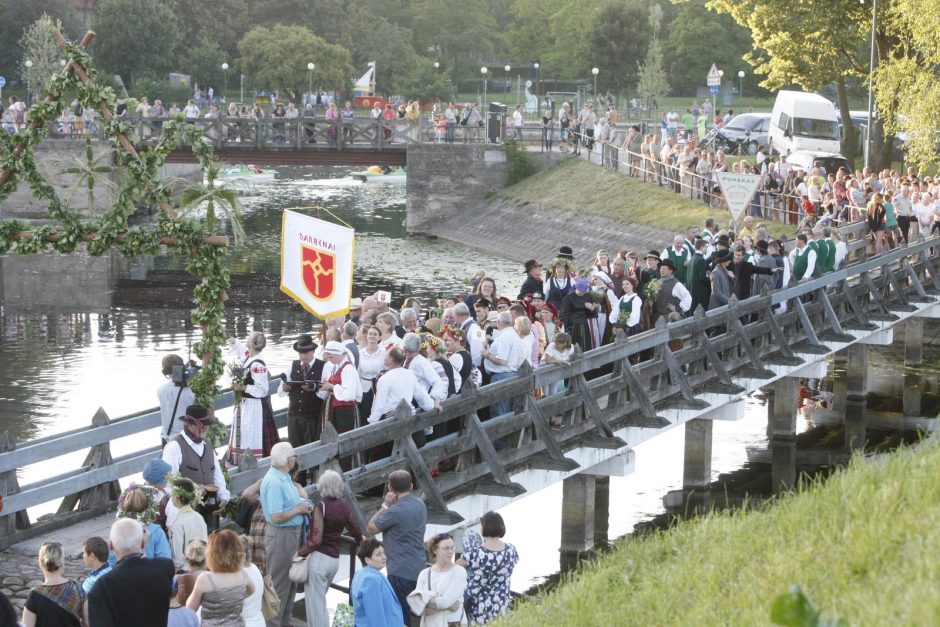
pixel 518 230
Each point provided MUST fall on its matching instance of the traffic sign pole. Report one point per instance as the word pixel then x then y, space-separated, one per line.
pixel 713 80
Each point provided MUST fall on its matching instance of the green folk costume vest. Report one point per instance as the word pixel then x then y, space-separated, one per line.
pixel 822 253
pixel 679 261
pixel 801 262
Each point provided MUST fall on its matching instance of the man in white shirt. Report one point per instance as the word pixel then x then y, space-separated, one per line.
pixel 421 367
pixel 172 398
pixel 397 384
pixel 191 456
pixel 191 111
pixel 471 331
pixel 503 357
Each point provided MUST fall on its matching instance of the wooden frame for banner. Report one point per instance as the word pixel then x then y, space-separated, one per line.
pixel 319 209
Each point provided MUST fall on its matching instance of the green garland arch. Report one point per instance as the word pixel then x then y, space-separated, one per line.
pixel 110 230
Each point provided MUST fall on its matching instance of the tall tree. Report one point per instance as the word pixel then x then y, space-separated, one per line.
pixel 276 58
pixel 220 22
pixel 909 79
pixel 376 39
pixel 619 40
pixel 42 52
pixel 699 37
pixel 17 15
pixel 135 37
pixel 653 83
pixel 460 32
pixel 806 46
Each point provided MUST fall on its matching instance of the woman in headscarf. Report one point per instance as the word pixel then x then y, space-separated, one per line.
pixel 577 309
pixel 253 429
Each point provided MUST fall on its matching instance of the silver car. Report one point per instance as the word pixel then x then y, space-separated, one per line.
pixel 746 132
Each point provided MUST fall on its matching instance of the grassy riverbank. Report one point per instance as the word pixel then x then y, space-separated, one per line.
pixel 863 545
pixel 574 185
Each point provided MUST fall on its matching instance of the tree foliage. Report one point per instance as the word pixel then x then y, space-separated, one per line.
pixel 619 39
pixel 697 38
pixel 42 52
pixel 277 58
pixel 653 83
pixel 17 15
pixel 136 37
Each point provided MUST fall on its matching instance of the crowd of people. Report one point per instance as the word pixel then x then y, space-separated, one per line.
pixel 224 579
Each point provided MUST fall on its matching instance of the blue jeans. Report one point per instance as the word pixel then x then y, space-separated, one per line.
pixel 501 407
pixel 402 588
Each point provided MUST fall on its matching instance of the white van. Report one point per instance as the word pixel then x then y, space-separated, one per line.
pixel 803 121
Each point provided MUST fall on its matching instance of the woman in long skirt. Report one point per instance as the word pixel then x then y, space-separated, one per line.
pixel 253 429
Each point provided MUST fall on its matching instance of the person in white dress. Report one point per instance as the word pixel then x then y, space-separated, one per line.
pixel 250 434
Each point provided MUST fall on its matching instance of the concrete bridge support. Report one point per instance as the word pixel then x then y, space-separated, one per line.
pixel 585 510
pixel 913 357
pixel 856 381
pixel 782 432
pixel 697 466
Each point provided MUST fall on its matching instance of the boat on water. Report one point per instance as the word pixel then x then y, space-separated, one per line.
pixel 246 173
pixel 381 174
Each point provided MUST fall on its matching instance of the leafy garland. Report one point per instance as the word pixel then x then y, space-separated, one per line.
pixel 142 185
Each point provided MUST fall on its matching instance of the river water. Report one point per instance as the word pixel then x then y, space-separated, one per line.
pixel 62 361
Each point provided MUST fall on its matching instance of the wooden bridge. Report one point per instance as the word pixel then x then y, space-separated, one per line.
pixel 687 373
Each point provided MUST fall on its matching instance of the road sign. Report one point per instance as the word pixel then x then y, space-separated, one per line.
pixel 3 81
pixel 714 78
pixel 714 90
pixel 738 190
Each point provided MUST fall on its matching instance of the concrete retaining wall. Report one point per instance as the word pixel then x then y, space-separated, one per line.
pixel 446 180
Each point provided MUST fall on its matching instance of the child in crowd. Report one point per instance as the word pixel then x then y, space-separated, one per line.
pixel 558 352
pixel 180 615
pixel 188 525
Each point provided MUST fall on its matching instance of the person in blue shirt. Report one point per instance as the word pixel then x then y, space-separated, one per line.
pixel 95 556
pixel 284 512
pixel 374 602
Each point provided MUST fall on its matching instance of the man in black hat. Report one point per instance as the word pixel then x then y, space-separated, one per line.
pixel 192 457
pixel 533 279
pixel 672 296
pixel 304 406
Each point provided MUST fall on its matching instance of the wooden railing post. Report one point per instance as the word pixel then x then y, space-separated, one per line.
pixel 98 457
pixel 9 486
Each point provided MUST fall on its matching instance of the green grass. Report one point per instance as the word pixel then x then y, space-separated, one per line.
pixel 863 545
pixel 592 189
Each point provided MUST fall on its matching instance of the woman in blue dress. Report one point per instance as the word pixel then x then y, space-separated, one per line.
pixel 490 565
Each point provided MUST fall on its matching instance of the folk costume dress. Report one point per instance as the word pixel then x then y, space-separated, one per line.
pixel 577 317
pixel 253 428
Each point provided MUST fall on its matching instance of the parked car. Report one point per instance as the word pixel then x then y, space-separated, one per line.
pixel 803 121
pixel 806 160
pixel 742 135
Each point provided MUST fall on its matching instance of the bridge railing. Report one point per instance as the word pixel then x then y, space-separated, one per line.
pixel 619 385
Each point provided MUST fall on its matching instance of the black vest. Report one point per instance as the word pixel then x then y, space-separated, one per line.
pixel 303 403
pixel 449 371
pixel 197 469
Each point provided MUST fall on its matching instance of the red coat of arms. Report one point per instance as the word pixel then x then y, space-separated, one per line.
pixel 318 271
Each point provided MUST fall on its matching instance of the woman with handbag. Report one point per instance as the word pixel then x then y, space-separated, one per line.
pixel 330 517
pixel 442 585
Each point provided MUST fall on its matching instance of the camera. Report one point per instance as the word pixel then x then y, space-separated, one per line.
pixel 183 374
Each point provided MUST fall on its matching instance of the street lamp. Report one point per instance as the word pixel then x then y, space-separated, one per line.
pixel 721 74
pixel 537 65
pixel 437 65
pixel 595 71
pixel 507 67
pixel 483 71
pixel 741 76
pixel 29 72
pixel 224 80
pixel 310 68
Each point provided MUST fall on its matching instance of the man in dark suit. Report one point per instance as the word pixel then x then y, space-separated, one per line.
pixel 744 272
pixel 533 279
pixel 304 406
pixel 137 590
